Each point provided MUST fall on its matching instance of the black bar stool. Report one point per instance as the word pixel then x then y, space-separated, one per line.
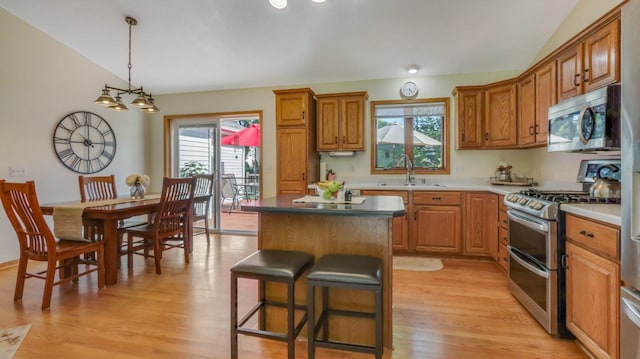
pixel 344 271
pixel 274 266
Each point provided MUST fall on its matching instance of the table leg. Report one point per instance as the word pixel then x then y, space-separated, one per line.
pixel 111 251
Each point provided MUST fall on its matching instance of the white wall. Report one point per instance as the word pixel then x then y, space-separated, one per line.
pixel 42 80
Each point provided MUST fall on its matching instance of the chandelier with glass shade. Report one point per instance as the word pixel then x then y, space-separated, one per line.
pixel 143 101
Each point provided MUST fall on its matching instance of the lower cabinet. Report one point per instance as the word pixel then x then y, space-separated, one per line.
pixel 401 232
pixel 503 235
pixel 437 222
pixel 448 223
pixel 593 286
pixel 481 224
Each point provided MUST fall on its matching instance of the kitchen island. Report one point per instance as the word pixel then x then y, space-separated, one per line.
pixel 323 228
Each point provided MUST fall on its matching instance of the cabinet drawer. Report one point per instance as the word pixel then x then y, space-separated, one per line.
pixel 503 236
pixel 370 192
pixel 502 219
pixel 437 198
pixel 594 236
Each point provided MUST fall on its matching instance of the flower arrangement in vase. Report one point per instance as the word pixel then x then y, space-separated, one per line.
pixel 137 183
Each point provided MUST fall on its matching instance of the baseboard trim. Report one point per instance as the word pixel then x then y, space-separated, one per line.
pixel 7 265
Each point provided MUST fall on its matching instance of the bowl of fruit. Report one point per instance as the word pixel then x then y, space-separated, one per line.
pixel 329 189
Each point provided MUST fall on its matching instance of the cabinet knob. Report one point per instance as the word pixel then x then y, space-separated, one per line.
pixel 537 129
pixel 344 139
pixel 563 261
pixel 585 78
pixel 462 137
pixel 486 136
pixel 336 140
pixel 575 80
pixel 436 198
pixel 303 115
pixel 531 131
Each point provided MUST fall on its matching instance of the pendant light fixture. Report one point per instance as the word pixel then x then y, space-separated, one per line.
pixel 143 100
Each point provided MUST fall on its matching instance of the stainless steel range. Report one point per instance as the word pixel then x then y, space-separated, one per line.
pixel 536 250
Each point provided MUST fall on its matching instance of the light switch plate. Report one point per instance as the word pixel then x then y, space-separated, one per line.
pixel 17 171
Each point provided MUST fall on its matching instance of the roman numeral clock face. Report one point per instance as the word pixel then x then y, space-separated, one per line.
pixel 84 142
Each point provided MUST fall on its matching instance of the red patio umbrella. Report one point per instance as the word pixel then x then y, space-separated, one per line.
pixel 249 136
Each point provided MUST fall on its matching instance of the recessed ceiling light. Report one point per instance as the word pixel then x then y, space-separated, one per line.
pixel 278 4
pixel 318 0
pixel 412 69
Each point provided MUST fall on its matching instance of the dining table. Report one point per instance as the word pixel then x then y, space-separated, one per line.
pixel 109 217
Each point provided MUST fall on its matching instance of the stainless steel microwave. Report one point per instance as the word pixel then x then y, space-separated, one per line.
pixel 589 122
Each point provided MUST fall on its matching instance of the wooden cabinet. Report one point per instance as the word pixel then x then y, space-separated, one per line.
pixel 546 96
pixel 437 221
pixel 400 243
pixel 340 121
pixel 593 285
pixel 486 116
pixel 469 111
pixel 500 115
pixel 536 93
pixel 503 235
pixel 481 224
pixel 295 107
pixel 590 64
pixel 527 110
pixel 296 156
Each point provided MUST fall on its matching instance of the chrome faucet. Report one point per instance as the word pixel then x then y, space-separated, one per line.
pixel 409 167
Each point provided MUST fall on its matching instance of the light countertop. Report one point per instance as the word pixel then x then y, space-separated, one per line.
pixel 608 213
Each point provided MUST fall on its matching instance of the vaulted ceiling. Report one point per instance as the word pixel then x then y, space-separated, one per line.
pixel 198 45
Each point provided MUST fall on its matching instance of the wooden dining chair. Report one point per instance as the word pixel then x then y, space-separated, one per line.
pixel 38 243
pixel 171 227
pixel 101 188
pixel 202 200
pixel 97 188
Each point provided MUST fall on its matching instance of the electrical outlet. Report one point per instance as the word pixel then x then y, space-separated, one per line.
pixel 17 172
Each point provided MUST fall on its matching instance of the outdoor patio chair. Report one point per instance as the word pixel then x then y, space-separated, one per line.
pixel 229 190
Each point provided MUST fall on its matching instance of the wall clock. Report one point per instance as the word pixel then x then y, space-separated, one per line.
pixel 84 142
pixel 409 89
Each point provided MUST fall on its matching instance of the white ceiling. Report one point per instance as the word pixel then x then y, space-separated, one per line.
pixel 197 45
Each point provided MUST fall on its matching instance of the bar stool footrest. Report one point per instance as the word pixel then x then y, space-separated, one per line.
pixel 266 333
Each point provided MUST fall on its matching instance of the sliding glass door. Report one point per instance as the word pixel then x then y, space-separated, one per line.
pixel 229 147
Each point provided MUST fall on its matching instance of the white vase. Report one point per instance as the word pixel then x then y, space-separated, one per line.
pixel 137 191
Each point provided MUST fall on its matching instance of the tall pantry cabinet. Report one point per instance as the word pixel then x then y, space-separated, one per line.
pixel 297 161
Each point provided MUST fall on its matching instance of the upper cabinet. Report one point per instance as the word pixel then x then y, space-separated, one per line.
pixel 469 111
pixel 293 107
pixel 514 113
pixel 500 116
pixel 536 93
pixel 591 63
pixel 340 121
pixel 486 116
pixel 545 98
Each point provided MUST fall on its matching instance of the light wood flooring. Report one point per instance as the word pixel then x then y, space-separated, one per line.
pixel 461 311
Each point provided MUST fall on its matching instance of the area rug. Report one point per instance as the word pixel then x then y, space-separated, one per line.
pixel 10 340
pixel 417 264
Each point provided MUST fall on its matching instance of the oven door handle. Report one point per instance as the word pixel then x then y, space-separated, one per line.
pixel 530 266
pixel 632 313
pixel 527 221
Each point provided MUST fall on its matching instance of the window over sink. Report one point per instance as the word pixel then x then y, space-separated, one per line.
pixel 415 128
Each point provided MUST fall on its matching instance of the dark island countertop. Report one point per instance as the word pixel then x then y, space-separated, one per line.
pixel 389 206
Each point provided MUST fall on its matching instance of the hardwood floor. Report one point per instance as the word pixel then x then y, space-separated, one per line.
pixel 461 311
